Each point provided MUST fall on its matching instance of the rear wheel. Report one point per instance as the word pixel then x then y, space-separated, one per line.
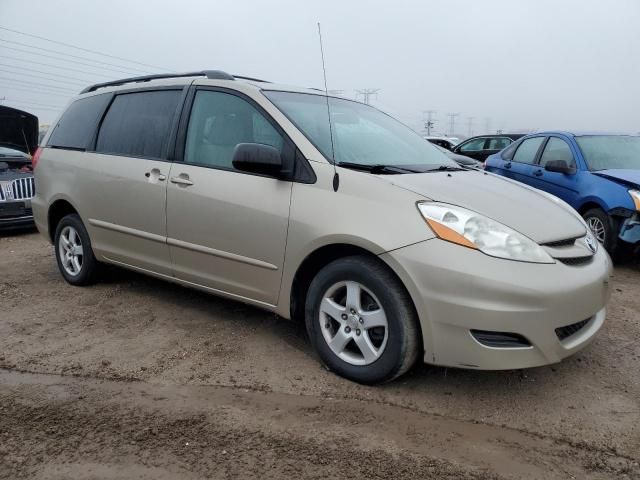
pixel 361 321
pixel 74 255
pixel 602 227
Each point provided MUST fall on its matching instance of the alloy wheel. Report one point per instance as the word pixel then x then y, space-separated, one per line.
pixel 597 228
pixel 70 250
pixel 353 323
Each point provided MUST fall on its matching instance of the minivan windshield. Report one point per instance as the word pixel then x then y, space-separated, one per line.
pixel 362 135
pixel 603 152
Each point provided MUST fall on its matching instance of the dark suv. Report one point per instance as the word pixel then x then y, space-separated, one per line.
pixel 18 141
pixel 480 147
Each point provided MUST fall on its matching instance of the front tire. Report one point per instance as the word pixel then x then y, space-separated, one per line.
pixel 74 255
pixel 602 227
pixel 361 320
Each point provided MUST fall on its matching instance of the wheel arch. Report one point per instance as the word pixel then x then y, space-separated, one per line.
pixel 57 210
pixel 326 254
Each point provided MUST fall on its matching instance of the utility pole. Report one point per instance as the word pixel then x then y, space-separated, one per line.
pixel 367 93
pixel 430 123
pixel 470 126
pixel 2 99
pixel 487 125
pixel 452 123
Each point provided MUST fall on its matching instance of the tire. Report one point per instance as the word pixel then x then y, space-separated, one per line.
pixel 373 353
pixel 602 227
pixel 84 270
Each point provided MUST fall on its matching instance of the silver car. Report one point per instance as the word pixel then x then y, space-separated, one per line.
pixel 323 210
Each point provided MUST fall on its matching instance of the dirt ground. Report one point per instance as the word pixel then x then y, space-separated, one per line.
pixel 137 378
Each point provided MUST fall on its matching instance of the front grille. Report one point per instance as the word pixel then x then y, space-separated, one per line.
pixel 23 188
pixel 561 243
pixel 500 339
pixel 575 261
pixel 566 332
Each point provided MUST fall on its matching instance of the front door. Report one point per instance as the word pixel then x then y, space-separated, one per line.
pixel 226 229
pixel 562 185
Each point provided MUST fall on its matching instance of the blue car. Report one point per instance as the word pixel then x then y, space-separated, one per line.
pixel 597 174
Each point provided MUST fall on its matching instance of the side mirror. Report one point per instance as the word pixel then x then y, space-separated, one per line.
pixel 257 158
pixel 559 166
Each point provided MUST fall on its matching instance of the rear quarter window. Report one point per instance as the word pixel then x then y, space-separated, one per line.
pixel 76 127
pixel 138 124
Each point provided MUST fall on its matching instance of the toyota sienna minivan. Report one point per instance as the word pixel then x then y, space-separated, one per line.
pixel 323 209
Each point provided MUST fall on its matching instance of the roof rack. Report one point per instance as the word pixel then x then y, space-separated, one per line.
pixel 212 74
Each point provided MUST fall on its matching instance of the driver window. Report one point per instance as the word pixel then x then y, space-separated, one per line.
pixel 473 145
pixel 220 121
pixel 557 149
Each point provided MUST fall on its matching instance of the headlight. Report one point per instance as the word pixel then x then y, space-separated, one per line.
pixel 469 229
pixel 635 195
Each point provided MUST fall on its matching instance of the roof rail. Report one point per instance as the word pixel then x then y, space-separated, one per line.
pixel 213 74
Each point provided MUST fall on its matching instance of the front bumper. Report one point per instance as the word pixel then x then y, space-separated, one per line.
pixel 457 290
pixel 16 214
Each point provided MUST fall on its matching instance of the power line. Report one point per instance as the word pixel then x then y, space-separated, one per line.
pixel 33 62
pixel 35 103
pixel 64 83
pixel 39 71
pixel 128 72
pixel 36 84
pixel 31 90
pixel 81 48
pixel 36 108
pixel 58 52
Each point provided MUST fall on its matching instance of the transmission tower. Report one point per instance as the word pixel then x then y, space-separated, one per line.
pixel 470 126
pixel 430 123
pixel 452 123
pixel 367 93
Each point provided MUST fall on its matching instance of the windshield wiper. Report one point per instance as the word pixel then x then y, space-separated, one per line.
pixel 447 168
pixel 377 169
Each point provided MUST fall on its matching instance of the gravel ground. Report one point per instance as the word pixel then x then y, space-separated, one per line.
pixel 137 378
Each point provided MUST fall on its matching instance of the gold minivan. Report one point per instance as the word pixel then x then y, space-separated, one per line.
pixel 323 209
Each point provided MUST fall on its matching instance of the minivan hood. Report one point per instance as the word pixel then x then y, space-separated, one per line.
pixel 18 130
pixel 525 209
pixel 624 176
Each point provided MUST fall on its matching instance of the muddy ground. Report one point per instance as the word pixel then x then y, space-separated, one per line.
pixel 137 378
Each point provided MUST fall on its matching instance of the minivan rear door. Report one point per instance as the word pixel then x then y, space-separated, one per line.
pixel 127 216
pixel 226 229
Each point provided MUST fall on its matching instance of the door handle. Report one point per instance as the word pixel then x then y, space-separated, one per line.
pixel 507 165
pixel 182 179
pixel 538 173
pixel 156 175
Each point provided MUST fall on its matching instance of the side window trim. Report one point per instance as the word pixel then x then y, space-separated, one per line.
pixel 299 162
pixel 167 154
pixel 568 143
pixel 536 158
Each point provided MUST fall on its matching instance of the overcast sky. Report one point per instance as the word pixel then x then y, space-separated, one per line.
pixel 519 65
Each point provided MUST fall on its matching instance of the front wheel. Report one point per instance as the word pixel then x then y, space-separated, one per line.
pixel 74 255
pixel 361 320
pixel 601 225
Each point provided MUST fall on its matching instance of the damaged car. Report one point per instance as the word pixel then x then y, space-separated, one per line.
pixel 18 142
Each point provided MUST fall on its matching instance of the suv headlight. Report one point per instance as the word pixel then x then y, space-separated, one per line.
pixel 470 229
pixel 635 195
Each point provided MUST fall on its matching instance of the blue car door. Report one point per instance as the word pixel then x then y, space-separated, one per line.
pixel 522 165
pixel 562 185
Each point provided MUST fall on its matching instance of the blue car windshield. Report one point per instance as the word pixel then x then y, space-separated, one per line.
pixel 361 134
pixel 603 152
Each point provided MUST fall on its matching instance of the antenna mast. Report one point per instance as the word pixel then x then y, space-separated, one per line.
pixel 336 178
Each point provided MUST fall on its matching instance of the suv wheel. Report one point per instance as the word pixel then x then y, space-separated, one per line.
pixel 74 255
pixel 601 225
pixel 361 321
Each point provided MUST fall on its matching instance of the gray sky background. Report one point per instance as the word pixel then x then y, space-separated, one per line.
pixel 528 64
